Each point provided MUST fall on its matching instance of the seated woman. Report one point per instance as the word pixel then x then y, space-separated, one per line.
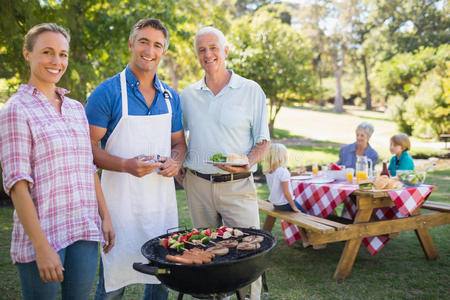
pixel 348 153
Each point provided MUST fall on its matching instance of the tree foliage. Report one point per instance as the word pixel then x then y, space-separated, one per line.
pixel 99 34
pixel 420 79
pixel 275 56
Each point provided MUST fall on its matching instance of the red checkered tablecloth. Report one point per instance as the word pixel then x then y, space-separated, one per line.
pixel 321 199
pixel 317 200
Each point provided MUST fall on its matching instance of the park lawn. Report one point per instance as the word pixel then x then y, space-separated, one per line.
pixel 399 271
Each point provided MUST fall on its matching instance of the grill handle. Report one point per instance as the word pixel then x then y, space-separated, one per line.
pixel 177 228
pixel 148 269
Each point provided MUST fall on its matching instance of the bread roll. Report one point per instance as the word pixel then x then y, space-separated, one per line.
pixel 381 182
pixel 394 184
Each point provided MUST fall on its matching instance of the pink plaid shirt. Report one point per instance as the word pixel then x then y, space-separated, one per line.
pixel 52 152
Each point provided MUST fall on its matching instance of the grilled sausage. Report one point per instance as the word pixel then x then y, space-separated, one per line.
pixel 179 259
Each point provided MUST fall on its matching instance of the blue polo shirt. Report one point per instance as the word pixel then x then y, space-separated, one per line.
pixel 404 162
pixel 347 155
pixel 104 105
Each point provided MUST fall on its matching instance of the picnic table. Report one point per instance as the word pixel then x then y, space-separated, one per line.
pixel 371 216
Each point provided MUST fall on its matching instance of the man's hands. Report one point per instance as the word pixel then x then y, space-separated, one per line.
pixel 139 166
pixel 49 264
pixel 142 165
pixel 234 169
pixel 169 167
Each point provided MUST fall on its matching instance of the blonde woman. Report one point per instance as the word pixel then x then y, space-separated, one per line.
pixel 45 152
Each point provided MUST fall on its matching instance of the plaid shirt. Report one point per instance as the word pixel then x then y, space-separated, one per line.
pixel 52 152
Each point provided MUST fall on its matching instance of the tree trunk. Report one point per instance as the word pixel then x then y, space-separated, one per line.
pixel 366 77
pixel 271 126
pixel 274 109
pixel 338 100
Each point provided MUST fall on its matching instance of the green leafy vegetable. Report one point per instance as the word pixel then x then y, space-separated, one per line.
pixel 218 157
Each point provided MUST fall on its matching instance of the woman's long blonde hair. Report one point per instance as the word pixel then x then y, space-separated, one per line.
pixel 275 158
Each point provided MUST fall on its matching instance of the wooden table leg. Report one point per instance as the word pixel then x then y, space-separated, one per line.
pixel 269 222
pixel 351 248
pixel 424 236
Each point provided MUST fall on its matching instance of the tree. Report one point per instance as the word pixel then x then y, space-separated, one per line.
pixel 99 35
pixel 275 56
pixel 411 24
pixel 420 80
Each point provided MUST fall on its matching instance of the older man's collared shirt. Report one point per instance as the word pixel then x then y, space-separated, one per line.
pixel 347 155
pixel 232 121
pixel 104 105
pixel 52 152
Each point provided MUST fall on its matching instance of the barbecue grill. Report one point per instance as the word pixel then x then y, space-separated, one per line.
pixel 223 276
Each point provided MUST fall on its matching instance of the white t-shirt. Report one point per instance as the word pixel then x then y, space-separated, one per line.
pixel 274 181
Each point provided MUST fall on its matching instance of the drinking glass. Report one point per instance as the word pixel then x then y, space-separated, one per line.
pixel 349 174
pixel 315 168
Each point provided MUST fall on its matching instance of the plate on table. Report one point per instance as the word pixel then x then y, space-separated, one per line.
pixel 301 177
pixel 226 163
pixel 321 180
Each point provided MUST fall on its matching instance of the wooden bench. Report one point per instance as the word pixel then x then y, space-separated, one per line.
pixel 311 224
pixel 321 231
pixel 438 206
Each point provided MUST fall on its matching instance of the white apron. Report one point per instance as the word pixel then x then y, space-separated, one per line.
pixel 140 208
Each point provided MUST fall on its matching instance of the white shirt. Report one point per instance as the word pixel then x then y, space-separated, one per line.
pixel 232 121
pixel 274 181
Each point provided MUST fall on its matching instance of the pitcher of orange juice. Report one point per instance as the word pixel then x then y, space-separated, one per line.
pixel 363 168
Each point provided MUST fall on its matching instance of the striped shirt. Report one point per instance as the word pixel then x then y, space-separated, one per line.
pixel 52 152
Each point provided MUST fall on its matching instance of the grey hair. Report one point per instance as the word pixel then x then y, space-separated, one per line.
pixel 367 127
pixel 153 23
pixel 35 31
pixel 209 30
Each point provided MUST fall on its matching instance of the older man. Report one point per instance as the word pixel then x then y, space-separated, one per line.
pixel 224 113
pixel 136 116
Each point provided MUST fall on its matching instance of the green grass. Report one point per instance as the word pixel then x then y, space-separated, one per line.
pixel 399 271
pixel 306 155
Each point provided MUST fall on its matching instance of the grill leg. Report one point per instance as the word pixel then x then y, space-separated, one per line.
pixel 264 283
pixel 238 295
pixel 180 296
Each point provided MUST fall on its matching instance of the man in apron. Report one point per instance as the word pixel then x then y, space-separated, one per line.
pixel 137 119
pixel 224 113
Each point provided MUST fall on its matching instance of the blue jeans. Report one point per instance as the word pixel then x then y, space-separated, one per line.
pixel 151 292
pixel 287 207
pixel 80 264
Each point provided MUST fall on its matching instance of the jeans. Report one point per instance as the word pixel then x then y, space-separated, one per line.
pixel 80 264
pixel 287 207
pixel 151 292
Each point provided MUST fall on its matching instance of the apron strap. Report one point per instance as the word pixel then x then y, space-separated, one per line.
pixel 123 88
pixel 167 96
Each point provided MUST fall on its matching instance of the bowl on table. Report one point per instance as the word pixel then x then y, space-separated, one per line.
pixel 411 178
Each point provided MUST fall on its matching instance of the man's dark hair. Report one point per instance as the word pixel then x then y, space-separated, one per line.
pixel 153 23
